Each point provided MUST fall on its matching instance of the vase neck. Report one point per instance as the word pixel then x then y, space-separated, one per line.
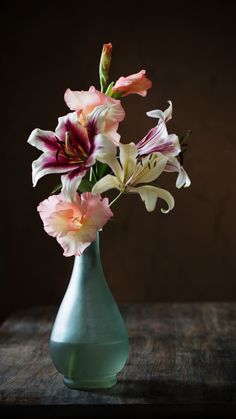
pixel 88 265
pixel 92 252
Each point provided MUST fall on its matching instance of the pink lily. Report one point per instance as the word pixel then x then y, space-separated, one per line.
pixel 73 148
pixel 136 83
pixel 158 139
pixel 84 102
pixel 74 224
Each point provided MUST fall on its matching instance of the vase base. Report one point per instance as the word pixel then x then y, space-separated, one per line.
pixel 91 383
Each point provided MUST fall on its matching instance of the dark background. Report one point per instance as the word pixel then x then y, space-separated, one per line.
pixel 188 50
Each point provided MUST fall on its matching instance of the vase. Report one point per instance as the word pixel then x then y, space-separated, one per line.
pixel 89 340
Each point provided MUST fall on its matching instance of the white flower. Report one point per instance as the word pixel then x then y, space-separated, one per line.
pixel 131 172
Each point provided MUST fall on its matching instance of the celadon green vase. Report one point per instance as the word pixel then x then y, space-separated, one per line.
pixel 89 340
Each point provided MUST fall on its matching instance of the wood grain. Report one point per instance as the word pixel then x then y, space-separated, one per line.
pixel 182 360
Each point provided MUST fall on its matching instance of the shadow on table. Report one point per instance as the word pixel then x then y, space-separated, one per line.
pixel 143 399
pixel 179 396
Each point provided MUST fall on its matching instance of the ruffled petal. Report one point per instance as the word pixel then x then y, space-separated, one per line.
pixel 135 83
pixel 149 194
pixel 74 224
pixel 83 100
pixel 97 211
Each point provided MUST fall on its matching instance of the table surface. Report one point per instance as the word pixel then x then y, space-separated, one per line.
pixel 182 360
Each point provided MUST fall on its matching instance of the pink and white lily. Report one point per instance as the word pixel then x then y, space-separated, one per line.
pixel 158 139
pixel 85 102
pixel 135 83
pixel 73 148
pixel 132 174
pixel 74 224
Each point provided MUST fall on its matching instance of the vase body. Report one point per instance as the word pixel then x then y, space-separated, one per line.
pixel 89 340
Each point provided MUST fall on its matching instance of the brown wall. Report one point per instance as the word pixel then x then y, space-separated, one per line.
pixel 188 49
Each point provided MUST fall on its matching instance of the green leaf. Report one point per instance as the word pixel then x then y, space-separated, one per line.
pixel 85 185
pixel 109 89
pixel 102 169
pixel 56 189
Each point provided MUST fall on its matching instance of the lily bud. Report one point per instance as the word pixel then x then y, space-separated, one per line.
pixel 104 66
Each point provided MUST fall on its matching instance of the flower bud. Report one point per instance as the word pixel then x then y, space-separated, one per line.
pixel 104 66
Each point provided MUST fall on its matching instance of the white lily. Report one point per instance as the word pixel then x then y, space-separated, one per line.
pixel 131 172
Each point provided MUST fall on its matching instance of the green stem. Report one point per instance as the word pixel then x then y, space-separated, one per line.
pixel 115 199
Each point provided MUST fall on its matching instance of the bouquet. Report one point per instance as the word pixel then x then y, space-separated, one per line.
pixel 87 152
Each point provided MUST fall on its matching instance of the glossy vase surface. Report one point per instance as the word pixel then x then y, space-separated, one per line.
pixel 89 341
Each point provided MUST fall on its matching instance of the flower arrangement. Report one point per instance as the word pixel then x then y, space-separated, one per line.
pixel 86 150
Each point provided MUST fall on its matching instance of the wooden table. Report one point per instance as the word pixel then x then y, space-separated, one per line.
pixel 182 361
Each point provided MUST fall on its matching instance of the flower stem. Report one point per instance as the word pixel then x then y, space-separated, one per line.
pixel 115 199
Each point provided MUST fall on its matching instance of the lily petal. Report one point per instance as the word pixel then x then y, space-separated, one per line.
pixel 165 116
pixel 47 164
pixel 43 140
pixel 106 153
pixel 103 147
pixel 69 123
pixel 106 118
pixel 128 155
pixel 106 183
pixel 173 165
pixel 149 194
pixel 150 171
pixel 70 183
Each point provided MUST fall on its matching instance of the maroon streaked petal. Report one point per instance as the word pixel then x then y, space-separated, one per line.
pixel 155 134
pixel 71 182
pixel 78 133
pixel 43 140
pixel 165 146
pixel 47 164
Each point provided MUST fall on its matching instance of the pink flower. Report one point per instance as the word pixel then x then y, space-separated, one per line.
pixel 74 224
pixel 84 102
pixel 158 139
pixel 72 148
pixel 136 83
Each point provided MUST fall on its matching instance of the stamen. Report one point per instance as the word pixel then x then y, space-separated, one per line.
pixel 57 154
